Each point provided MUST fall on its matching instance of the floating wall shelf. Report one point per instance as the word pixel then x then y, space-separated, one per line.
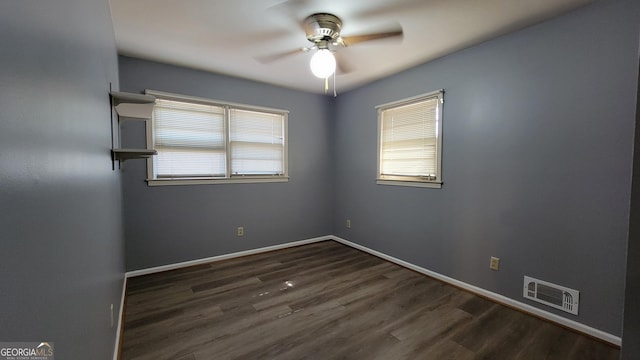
pixel 133 106
pixel 126 154
pixel 130 106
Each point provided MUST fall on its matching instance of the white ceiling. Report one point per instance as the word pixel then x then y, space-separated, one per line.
pixel 226 36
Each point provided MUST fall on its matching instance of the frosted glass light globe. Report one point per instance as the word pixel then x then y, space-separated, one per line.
pixel 323 63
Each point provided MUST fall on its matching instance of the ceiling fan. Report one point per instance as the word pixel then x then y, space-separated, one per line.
pixel 323 31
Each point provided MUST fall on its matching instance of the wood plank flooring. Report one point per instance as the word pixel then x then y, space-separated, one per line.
pixel 329 301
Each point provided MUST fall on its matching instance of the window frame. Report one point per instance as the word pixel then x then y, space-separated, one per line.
pixel 413 181
pixel 153 180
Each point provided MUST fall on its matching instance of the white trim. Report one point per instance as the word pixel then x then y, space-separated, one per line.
pixel 179 265
pixel 116 349
pixel 432 185
pixel 411 100
pixel 233 180
pixel 202 100
pixel 602 335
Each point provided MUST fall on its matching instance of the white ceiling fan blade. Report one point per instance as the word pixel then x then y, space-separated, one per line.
pixel 274 57
pixel 355 39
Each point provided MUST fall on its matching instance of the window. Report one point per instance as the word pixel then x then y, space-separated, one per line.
pixel 410 141
pixel 202 141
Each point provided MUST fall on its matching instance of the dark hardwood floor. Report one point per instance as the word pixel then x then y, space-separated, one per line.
pixel 329 301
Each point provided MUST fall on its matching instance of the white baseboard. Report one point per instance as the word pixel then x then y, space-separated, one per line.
pixel 582 328
pixel 599 334
pixel 224 257
pixel 116 348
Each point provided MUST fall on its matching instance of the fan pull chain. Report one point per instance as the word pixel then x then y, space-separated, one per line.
pixel 326 85
pixel 334 85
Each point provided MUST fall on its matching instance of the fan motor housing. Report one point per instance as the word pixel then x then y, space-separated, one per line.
pixel 322 27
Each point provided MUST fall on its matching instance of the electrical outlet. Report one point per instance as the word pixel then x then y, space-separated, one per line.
pixel 494 264
pixel 348 224
pixel 240 231
pixel 111 309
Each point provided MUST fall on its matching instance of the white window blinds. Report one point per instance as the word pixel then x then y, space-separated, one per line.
pixel 409 147
pixel 199 139
pixel 189 139
pixel 257 143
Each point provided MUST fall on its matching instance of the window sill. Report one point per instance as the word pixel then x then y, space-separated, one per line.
pixel 432 185
pixel 244 180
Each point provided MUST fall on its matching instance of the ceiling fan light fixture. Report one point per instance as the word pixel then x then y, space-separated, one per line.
pixel 323 63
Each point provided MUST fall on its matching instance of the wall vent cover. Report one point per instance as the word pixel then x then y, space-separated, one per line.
pixel 552 295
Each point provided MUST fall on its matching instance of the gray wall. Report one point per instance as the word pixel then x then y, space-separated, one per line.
pixel 631 331
pixel 168 224
pixel 538 138
pixel 62 261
